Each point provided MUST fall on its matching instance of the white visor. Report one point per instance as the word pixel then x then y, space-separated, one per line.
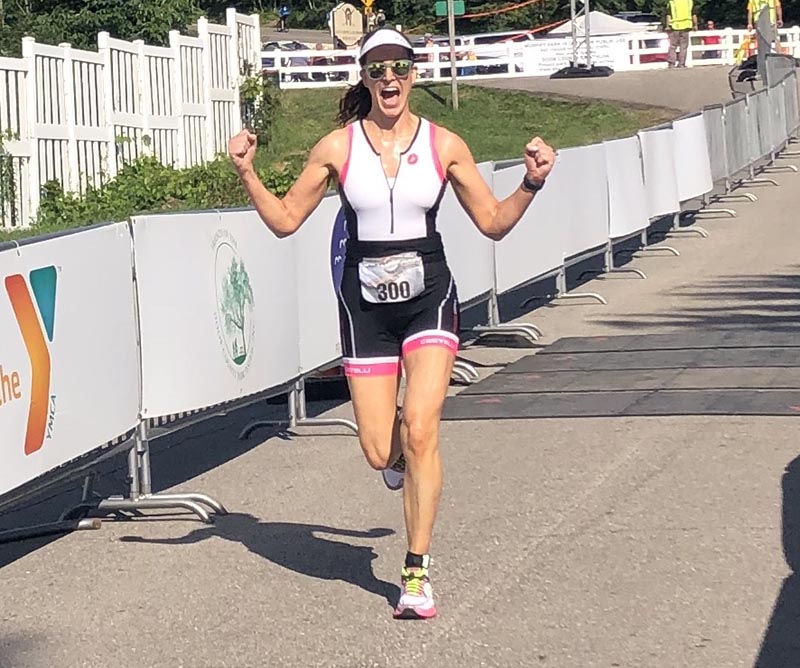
pixel 384 37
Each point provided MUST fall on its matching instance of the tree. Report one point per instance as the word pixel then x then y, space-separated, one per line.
pixel 236 295
pixel 79 21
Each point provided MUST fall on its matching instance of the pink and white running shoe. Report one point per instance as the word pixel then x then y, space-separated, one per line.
pixel 416 601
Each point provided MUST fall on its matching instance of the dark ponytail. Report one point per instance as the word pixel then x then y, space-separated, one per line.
pixel 356 103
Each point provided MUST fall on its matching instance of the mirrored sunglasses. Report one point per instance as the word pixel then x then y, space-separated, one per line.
pixel 401 68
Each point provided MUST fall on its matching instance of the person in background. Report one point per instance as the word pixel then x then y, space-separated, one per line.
pixel 318 61
pixel 754 9
pixel 430 57
pixel 472 69
pixel 283 15
pixel 681 19
pixel 711 39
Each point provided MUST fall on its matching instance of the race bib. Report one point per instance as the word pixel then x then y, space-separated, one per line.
pixel 396 278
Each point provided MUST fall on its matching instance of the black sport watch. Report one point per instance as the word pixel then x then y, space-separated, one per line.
pixel 531 187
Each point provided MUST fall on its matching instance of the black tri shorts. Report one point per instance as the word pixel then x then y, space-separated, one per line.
pixel 375 336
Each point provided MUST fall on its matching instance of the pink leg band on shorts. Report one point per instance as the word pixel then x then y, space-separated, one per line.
pixel 371 366
pixel 431 337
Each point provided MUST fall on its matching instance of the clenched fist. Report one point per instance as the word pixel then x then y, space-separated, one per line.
pixel 539 159
pixel 242 149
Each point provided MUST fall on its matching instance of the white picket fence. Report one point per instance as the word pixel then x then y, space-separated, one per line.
pixel 542 56
pixel 76 117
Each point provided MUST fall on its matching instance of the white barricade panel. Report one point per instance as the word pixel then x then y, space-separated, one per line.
pixel 777 103
pixel 218 309
pixel 715 140
pixel 535 246
pixel 584 203
pixel 659 172
pixel 627 200
pixel 753 139
pixel 469 252
pixel 316 247
pixel 792 109
pixel 692 164
pixel 737 136
pixel 763 121
pixel 69 379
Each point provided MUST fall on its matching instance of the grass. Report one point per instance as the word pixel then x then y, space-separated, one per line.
pixel 496 124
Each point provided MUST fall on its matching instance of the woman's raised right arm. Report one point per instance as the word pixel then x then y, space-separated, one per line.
pixel 285 216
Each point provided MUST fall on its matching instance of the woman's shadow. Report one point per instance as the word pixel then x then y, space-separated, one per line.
pixel 296 547
pixel 781 645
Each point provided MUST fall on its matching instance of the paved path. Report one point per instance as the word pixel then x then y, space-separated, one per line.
pixel 684 90
pixel 310 37
pixel 635 542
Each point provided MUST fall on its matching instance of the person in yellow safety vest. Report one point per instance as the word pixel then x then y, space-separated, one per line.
pixel 680 20
pixel 754 8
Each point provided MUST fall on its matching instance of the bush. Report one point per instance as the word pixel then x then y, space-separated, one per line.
pixel 147 186
pixel 259 96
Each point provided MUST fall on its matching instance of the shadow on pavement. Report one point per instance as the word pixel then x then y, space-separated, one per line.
pixel 17 649
pixel 176 458
pixel 767 302
pixel 297 548
pixel 781 645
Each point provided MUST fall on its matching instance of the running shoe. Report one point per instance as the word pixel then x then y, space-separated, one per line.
pixel 416 601
pixel 393 476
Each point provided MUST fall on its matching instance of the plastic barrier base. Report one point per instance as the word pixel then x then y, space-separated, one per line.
pixel 582 72
pixel 298 415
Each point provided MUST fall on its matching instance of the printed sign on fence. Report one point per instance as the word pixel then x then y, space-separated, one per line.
pixel 217 307
pixel 69 379
pixel 545 56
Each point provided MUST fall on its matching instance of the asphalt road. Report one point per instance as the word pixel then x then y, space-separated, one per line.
pixel 683 90
pixel 631 542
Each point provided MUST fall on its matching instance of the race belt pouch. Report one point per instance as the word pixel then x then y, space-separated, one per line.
pixel 391 279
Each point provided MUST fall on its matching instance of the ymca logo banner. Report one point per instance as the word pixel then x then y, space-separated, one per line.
pixel 69 379
pixel 36 327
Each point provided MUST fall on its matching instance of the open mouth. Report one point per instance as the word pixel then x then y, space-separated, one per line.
pixel 390 94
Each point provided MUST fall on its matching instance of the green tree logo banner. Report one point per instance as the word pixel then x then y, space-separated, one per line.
pixel 237 296
pixel 234 301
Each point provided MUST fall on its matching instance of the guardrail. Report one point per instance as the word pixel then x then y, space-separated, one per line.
pixel 124 332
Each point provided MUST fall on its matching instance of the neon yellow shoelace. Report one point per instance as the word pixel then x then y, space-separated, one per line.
pixel 414 580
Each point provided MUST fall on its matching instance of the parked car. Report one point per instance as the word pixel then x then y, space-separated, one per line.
pixel 268 64
pixel 648 19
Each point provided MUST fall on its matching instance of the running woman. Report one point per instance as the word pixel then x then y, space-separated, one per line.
pixel 397 298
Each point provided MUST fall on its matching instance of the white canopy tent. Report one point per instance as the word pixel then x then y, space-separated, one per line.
pixel 601 24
